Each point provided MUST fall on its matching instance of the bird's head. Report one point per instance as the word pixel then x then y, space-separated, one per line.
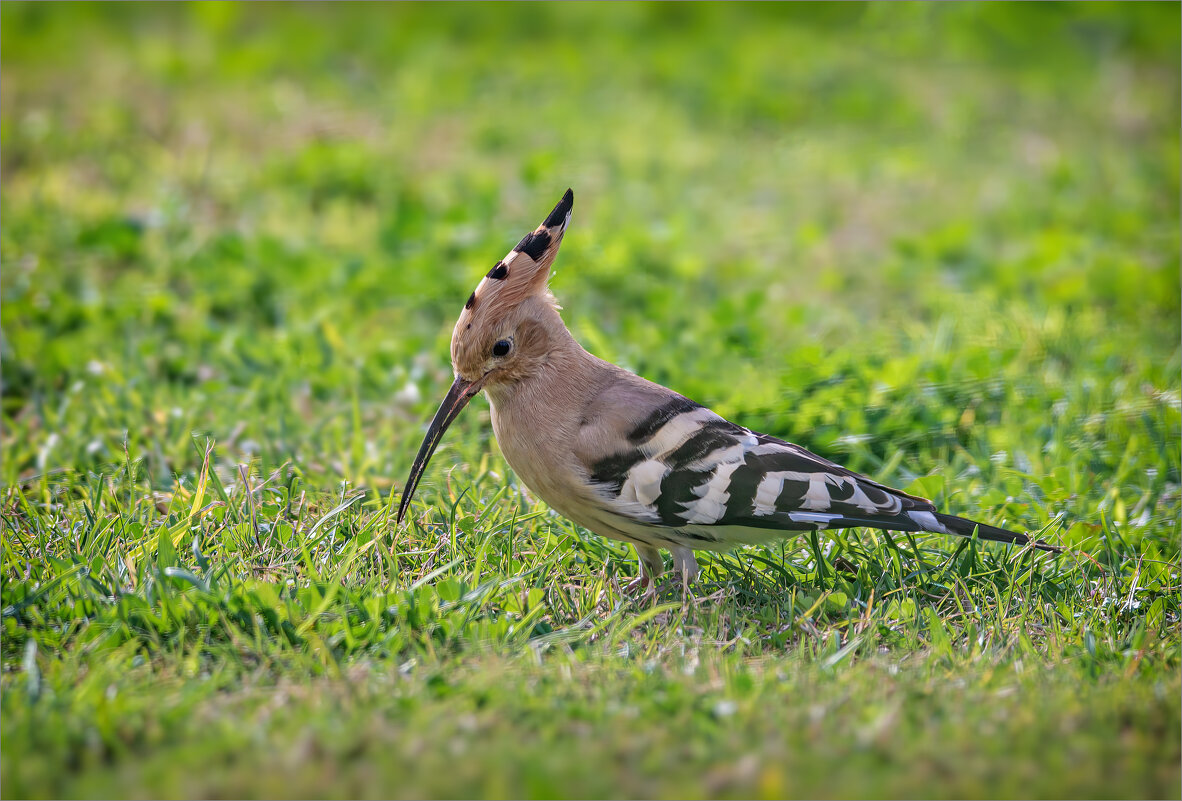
pixel 505 324
pixel 505 332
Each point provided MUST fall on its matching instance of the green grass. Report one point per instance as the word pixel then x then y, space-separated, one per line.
pixel 938 244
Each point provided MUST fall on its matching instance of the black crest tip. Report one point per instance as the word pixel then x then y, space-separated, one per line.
pixel 558 216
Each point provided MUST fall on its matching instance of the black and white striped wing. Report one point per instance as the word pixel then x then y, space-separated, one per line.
pixel 690 469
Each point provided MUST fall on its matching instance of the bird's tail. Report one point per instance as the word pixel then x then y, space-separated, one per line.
pixel 965 528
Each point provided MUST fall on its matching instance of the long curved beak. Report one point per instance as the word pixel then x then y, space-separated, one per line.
pixel 457 398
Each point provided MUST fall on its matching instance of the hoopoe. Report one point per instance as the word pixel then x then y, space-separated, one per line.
pixel 634 461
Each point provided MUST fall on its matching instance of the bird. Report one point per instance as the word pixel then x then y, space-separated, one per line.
pixel 632 460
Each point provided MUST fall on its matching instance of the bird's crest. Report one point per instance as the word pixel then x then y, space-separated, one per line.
pixel 523 272
pixel 511 287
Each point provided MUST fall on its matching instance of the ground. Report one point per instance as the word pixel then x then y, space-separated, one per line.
pixel 936 243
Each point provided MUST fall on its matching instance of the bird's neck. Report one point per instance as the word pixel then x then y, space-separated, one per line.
pixel 536 416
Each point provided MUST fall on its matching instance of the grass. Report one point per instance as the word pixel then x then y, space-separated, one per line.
pixel 938 244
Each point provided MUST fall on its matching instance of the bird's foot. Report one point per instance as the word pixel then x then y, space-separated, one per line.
pixel 638 584
pixel 642 588
pixel 687 567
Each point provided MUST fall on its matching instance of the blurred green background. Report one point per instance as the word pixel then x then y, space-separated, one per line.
pixel 936 242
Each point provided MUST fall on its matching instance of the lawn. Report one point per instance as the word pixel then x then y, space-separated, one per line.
pixel 936 243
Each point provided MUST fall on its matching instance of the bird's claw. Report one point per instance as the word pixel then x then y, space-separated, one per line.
pixel 642 588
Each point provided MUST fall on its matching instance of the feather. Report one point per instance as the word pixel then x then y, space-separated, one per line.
pixel 731 484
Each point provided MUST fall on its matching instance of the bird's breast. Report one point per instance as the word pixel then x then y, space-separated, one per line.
pixel 536 447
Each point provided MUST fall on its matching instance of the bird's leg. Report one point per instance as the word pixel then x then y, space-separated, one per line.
pixel 651 567
pixel 687 566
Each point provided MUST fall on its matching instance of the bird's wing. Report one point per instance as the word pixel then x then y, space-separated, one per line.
pixel 685 467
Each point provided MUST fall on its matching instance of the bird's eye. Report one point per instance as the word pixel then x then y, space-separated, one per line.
pixel 502 348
